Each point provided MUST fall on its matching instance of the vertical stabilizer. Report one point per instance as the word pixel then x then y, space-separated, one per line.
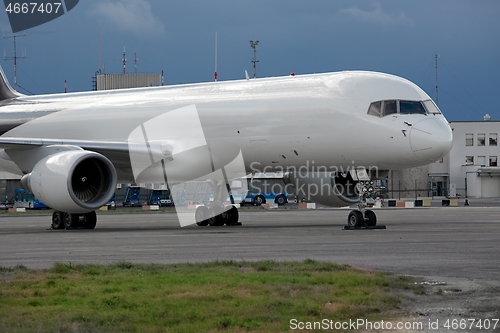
pixel 6 91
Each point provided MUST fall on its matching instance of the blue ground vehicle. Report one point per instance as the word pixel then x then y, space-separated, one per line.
pixel 238 198
pixel 260 198
pixel 132 197
pixel 257 199
pixel 26 199
pixel 160 198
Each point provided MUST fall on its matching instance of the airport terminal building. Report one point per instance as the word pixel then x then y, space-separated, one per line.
pixel 470 169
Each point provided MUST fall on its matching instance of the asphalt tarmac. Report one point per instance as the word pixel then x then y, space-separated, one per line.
pixel 447 242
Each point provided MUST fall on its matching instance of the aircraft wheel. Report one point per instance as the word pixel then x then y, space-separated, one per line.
pixel 90 220
pixel 57 220
pixel 371 218
pixel 201 216
pixel 215 218
pixel 71 220
pixel 355 219
pixel 233 216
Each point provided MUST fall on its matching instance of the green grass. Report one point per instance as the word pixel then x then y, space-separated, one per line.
pixel 227 296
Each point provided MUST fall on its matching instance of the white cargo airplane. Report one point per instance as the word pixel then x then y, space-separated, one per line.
pixel 330 134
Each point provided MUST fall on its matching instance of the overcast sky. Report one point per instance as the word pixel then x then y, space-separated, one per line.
pixel 400 37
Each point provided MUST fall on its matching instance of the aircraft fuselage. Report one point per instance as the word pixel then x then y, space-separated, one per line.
pixel 309 121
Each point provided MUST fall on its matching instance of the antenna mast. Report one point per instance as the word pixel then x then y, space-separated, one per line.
pixel 253 45
pixel 136 60
pixel 99 49
pixel 124 61
pixel 15 57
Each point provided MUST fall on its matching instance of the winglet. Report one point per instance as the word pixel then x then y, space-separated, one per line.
pixel 246 75
pixel 6 91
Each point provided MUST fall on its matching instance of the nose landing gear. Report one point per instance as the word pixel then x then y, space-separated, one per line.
pixel 363 218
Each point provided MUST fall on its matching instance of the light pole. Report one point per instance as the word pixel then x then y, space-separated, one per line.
pixel 253 45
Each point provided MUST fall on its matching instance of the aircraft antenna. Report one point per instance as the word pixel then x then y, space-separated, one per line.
pixel 136 60
pixel 124 61
pixel 437 85
pixel 253 45
pixel 216 75
pixel 15 57
pixel 99 50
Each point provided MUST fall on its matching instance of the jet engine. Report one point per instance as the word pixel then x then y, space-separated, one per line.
pixel 326 188
pixel 74 181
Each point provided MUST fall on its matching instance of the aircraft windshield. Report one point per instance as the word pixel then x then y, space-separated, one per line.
pixel 431 107
pixel 388 107
pixel 375 109
pixel 411 107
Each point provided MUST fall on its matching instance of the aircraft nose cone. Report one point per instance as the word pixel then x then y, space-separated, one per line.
pixel 431 139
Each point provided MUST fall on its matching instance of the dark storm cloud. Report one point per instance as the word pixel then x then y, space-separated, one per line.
pixel 394 36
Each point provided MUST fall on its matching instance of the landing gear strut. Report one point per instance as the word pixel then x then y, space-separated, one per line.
pixel 363 217
pixel 62 220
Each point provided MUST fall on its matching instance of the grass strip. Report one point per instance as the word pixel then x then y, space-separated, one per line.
pixel 227 296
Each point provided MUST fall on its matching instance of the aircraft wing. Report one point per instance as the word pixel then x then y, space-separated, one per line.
pixel 28 143
pixel 116 152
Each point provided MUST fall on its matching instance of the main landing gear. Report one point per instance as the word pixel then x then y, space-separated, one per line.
pixel 358 219
pixel 61 220
pixel 217 215
pixel 363 217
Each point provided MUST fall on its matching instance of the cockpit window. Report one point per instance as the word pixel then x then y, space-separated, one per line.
pixel 411 107
pixel 375 109
pixel 384 108
pixel 431 107
pixel 390 107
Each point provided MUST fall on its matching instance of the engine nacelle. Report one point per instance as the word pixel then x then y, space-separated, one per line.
pixel 74 181
pixel 326 188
